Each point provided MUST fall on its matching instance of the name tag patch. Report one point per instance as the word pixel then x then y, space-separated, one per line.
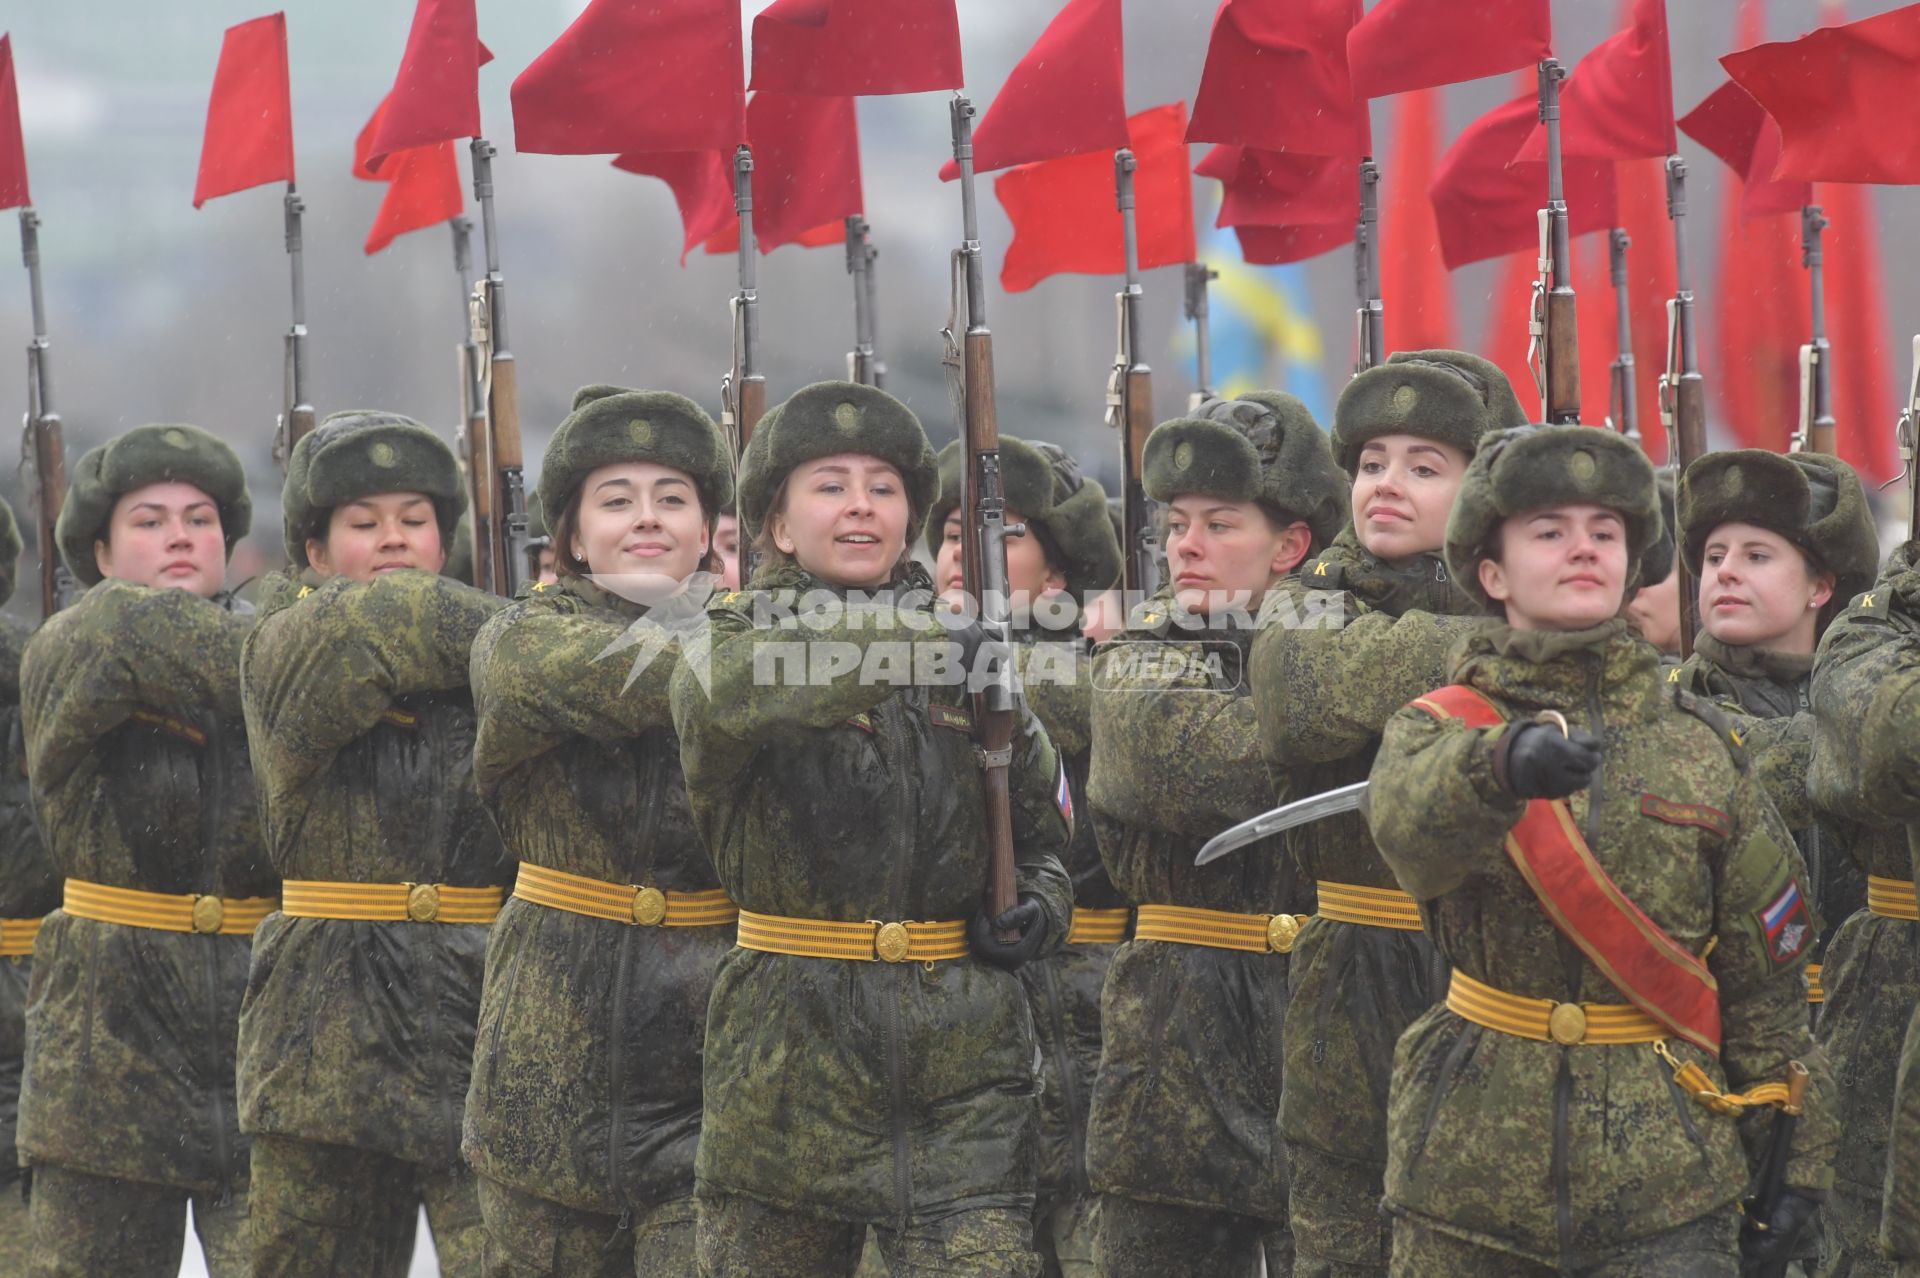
pixel 946 716
pixel 1698 815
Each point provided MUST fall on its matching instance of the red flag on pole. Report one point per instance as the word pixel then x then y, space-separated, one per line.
pixel 1413 279
pixel 1067 96
pixel 436 95
pixel 1485 207
pixel 702 186
pixel 1650 282
pixel 1829 92
pixel 1416 44
pixel 1278 245
pixel 1618 103
pixel 1276 78
pixel 636 75
pixel 846 48
pixel 1065 219
pixel 1857 325
pixel 806 172
pixel 1282 188
pixel 249 138
pixel 422 185
pixel 13 149
pixel 1729 123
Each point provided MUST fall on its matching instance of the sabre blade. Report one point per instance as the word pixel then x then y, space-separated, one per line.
pixel 1287 816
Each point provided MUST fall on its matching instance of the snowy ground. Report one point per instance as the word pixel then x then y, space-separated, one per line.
pixel 194 1265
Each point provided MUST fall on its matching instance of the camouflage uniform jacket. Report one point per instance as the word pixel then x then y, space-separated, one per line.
pixel 361 1033
pixel 1866 764
pixel 1561 1154
pixel 29 887
pixel 1348 641
pixel 586 1086
pixel 1064 988
pixel 859 1091
pixel 1185 1111
pixel 130 707
pixel 1767 695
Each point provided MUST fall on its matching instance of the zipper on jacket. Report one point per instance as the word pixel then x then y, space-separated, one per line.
pixel 1562 1185
pixel 616 1077
pixel 889 727
pixel 222 1156
pixel 214 801
pixel 1063 1062
pixel 1597 724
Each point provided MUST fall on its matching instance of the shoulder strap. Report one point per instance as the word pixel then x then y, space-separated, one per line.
pixel 1323 574
pixel 1651 970
pixel 1717 719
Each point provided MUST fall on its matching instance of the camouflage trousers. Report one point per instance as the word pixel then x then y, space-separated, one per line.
pixel 330 1211
pixel 1062 1236
pixel 84 1226
pixel 1704 1248
pixel 1135 1239
pixel 533 1237
pixel 1338 1228
pixel 741 1237
pixel 16 1235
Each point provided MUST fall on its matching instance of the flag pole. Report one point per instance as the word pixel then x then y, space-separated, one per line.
pixel 500 514
pixel 1370 344
pixel 1683 393
pixel 1624 414
pixel 297 416
pixel 1816 431
pixel 863 365
pixel 1199 275
pixel 743 392
pixel 42 452
pixel 1130 394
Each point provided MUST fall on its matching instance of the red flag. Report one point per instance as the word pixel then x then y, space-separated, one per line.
pixel 806 171
pixel 1276 78
pixel 635 75
pixel 1857 325
pixel 436 95
pixel 1485 207
pixel 1063 212
pixel 1416 44
pixel 728 239
pixel 249 138
pixel 845 48
pixel 1067 96
pixel 1650 282
pixel 1278 245
pixel 702 186
pixel 423 189
pixel 1830 92
pixel 13 150
pixel 1618 103
pixel 1413 280
pixel 1282 188
pixel 1729 123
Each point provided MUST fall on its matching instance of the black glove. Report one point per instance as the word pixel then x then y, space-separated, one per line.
pixel 1764 1253
pixel 1027 919
pixel 1536 762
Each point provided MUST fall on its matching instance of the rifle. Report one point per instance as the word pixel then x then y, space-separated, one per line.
pixel 1199 274
pixel 863 362
pixel 983 509
pixel 43 459
pixel 743 391
pixel 472 430
pixel 1816 431
pixel 495 478
pixel 297 416
pixel 1683 394
pixel 1553 345
pixel 1370 331
pixel 1771 1183
pixel 1623 413
pixel 1130 400
pixel 1905 434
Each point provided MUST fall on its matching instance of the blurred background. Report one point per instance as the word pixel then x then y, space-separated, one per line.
pixel 160 312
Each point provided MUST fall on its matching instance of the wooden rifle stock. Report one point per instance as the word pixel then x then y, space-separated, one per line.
pixel 1562 358
pixel 506 476
pixel 1905 434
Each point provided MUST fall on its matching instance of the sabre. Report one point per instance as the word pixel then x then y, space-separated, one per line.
pixel 1287 816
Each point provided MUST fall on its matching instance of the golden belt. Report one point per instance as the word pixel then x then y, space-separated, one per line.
pixel 1099 927
pixel 17 936
pixel 1368 906
pixel 622 902
pixel 869 941
pixel 1545 1021
pixel 1816 992
pixel 1892 898
pixel 1218 929
pixel 166 911
pixel 390 902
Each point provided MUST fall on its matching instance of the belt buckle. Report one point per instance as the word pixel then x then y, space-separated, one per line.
pixel 891 943
pixel 423 902
pixel 1282 931
pixel 649 906
pixel 208 914
pixel 1567 1024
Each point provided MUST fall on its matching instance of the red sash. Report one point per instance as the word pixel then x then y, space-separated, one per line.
pixel 1651 970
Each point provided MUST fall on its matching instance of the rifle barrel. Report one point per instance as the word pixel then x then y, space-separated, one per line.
pixel 1372 345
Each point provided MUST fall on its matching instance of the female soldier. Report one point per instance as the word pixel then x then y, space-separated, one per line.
pixel 1361 970
pixel 1182 1143
pixel 130 705
pixel 869 1055
pixel 1779 545
pixel 584 1109
pixel 29 888
pixel 358 1029
pixel 1065 555
pixel 1625 914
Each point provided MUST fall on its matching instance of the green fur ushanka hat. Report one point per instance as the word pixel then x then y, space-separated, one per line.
pixel 145 455
pixel 1448 396
pixel 1044 486
pixel 1533 467
pixel 10 548
pixel 537 530
pixel 1263 447
pixel 609 425
pixel 363 453
pixel 824 420
pixel 1657 564
pixel 1815 501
